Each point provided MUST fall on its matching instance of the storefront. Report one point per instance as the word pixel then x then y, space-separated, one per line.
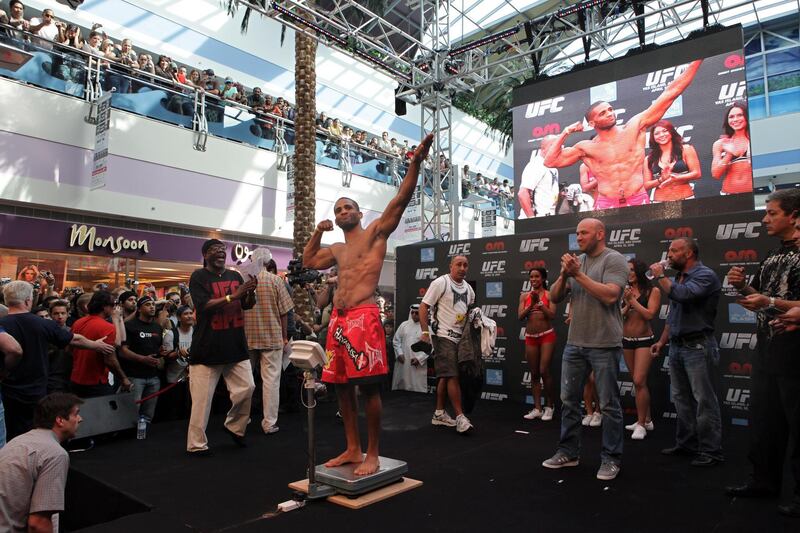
pixel 85 255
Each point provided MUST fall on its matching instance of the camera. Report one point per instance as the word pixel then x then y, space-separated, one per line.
pixel 297 275
pixel 4 281
pixel 131 283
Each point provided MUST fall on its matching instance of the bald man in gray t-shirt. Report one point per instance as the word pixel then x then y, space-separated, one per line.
pixel 594 282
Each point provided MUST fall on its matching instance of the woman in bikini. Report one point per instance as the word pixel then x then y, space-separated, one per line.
pixel 641 303
pixel 536 309
pixel 731 153
pixel 671 164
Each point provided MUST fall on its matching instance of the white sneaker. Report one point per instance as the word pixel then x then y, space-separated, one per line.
pixel 463 424
pixel 533 414
pixel 586 420
pixel 647 425
pixel 597 419
pixel 443 420
pixel 548 414
pixel 639 432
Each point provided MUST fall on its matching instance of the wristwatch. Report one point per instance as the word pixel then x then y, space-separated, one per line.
pixel 428 333
pixel 772 302
pixel 661 276
pixel 228 298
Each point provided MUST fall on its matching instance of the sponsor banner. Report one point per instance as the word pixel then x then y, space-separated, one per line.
pixel 101 136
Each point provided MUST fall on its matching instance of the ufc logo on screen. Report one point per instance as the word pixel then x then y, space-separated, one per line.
pixel 731 91
pixel 530 245
pixel 736 341
pixel 493 267
pixel 738 396
pixel 619 235
pixel 666 75
pixel 732 256
pixel 426 273
pixel 683 131
pixel 674 233
pixel 459 249
pixel 739 229
pixel 551 105
pixel 495 311
pixel 497 246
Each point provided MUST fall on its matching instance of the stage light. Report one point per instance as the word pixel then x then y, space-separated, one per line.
pixel 12 58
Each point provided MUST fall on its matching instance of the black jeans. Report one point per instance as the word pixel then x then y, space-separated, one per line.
pixel 19 416
pixel 775 419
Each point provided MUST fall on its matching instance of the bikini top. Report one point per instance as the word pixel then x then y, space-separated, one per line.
pixel 679 167
pixel 543 299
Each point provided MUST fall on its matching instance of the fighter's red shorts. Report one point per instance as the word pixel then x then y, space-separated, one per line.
pixel 356 346
pixel 537 339
pixel 604 202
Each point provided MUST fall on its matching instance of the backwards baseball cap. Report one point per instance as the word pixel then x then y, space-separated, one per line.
pixel 209 72
pixel 209 243
pixel 228 80
pixel 125 295
pixel 143 300
pixel 415 307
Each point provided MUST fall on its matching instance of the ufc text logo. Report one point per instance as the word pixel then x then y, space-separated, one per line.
pixel 736 341
pixel 459 249
pixel 499 353
pixel 495 396
pixel 492 311
pixel 530 245
pixel 426 273
pixel 734 256
pixel 741 396
pixel 738 229
pixel 626 387
pixel 664 312
pixel 660 77
pixel 550 105
pixel 674 233
pixel 493 267
pixel 732 91
pixel 625 235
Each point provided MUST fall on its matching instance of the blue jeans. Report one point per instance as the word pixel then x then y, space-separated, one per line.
pixel 576 364
pixel 2 424
pixel 143 387
pixel 690 371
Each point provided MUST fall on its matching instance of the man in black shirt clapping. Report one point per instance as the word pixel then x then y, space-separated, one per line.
pixel 141 355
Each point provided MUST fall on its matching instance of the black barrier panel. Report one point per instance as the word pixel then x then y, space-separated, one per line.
pixel 498 269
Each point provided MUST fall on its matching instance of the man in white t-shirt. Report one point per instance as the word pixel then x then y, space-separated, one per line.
pixel 47 27
pixel 538 188
pixel 450 296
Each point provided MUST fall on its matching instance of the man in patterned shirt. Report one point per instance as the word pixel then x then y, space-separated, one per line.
pixel 775 388
pixel 265 327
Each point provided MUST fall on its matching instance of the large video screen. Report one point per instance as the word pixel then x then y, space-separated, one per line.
pixel 660 126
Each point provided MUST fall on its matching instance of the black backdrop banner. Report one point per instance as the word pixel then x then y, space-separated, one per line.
pixel 498 270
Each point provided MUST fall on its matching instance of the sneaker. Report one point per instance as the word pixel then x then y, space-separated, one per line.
pixel 586 420
pixel 463 424
pixel 597 419
pixel 639 432
pixel 270 430
pixel 443 420
pixel 560 460
pixel 533 414
pixel 647 425
pixel 608 471
pixel 548 414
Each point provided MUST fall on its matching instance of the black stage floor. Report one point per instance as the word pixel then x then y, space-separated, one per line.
pixel 489 481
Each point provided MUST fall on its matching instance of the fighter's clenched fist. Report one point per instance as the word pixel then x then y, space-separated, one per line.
pixel 574 128
pixel 325 225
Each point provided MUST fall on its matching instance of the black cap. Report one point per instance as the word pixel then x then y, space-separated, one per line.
pixel 209 243
pixel 125 295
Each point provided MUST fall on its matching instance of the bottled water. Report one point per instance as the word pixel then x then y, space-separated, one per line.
pixel 664 264
pixel 141 428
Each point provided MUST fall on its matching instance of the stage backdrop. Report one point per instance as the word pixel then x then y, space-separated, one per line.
pixel 498 269
pixel 630 85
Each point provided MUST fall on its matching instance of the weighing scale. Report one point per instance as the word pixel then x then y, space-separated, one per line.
pixel 324 481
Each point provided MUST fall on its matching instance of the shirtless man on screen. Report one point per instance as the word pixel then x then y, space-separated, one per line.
pixel 616 154
pixel 356 344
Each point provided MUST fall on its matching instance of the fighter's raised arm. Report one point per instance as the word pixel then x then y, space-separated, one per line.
pixel 314 256
pixel 653 114
pixel 390 218
pixel 556 156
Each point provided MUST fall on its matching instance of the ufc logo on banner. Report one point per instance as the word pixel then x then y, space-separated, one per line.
pixel 530 245
pixel 732 91
pixel 492 311
pixel 619 235
pixel 626 387
pixel 551 105
pixel 459 249
pixel 737 341
pixel 493 267
pixel 739 229
pixel 738 396
pixel 426 273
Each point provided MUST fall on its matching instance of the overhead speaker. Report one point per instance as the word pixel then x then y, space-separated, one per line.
pixel 399 107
